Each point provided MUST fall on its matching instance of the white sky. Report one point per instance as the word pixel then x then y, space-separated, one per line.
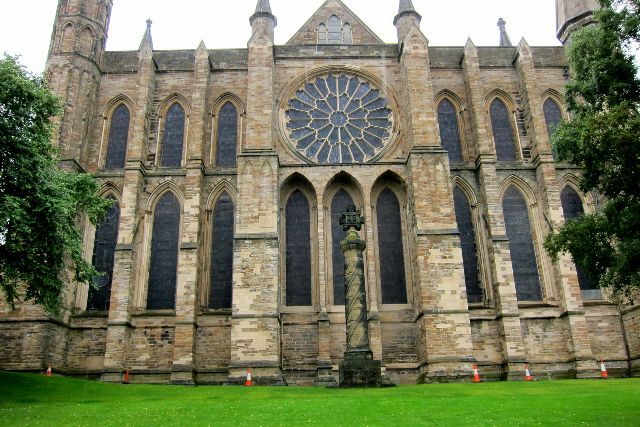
pixel 25 25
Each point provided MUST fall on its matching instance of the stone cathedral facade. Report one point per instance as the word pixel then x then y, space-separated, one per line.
pixel 229 170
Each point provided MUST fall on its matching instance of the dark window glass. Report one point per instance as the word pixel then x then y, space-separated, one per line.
pixel 298 251
pixel 164 254
pixel 338 207
pixel 449 130
pixel 553 117
pixel 335 30
pixel 572 208
pixel 468 245
pixel 391 250
pixel 104 248
pixel 502 131
pixel 222 253
pixel 227 135
pixel 523 256
pixel 118 134
pixel 173 137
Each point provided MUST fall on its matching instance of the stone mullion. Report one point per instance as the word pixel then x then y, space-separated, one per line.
pixel 503 283
pixel 564 274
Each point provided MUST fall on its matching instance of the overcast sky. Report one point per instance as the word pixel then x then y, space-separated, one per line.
pixel 25 25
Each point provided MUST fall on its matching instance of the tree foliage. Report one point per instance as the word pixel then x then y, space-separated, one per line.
pixel 603 99
pixel 40 204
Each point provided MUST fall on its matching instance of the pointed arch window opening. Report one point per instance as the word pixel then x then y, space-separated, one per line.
pixel 335 32
pixel 338 205
pixel 523 255
pixel 298 250
pixel 173 144
pixel 503 132
pixel 221 264
pixel 573 208
pixel 163 264
pixel 118 138
pixel 468 244
pixel 450 131
pixel 104 248
pixel 552 117
pixel 393 287
pixel 227 135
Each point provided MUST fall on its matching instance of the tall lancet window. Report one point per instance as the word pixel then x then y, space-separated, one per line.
pixel 104 249
pixel 553 117
pixel 173 137
pixel 523 254
pixel 323 36
pixel 221 269
pixel 227 136
pixel 163 266
pixel 298 250
pixel 391 249
pixel 347 34
pixel 335 30
pixel 573 208
pixel 449 130
pixel 338 207
pixel 502 131
pixel 118 135
pixel 468 244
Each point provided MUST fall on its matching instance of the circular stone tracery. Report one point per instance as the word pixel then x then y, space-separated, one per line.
pixel 339 118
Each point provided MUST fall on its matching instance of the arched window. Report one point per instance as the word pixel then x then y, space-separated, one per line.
pixel 347 34
pixel 68 39
pixel 553 117
pixel 323 37
pixel 104 248
pixel 338 207
pixel 173 137
pixel 118 135
pixel 449 130
pixel 572 208
pixel 335 30
pixel 502 131
pixel 468 245
pixel 86 42
pixel 523 255
pixel 163 267
pixel 227 135
pixel 221 270
pixel 298 250
pixel 391 249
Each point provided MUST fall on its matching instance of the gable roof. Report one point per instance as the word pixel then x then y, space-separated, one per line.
pixel 307 34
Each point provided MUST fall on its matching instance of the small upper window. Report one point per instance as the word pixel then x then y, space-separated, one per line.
pixel 118 135
pixel 173 137
pixel 335 32
pixel 322 34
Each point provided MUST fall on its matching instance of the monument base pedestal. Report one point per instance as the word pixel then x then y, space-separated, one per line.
pixel 358 369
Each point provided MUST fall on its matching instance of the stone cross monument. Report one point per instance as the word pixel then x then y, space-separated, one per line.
pixel 358 369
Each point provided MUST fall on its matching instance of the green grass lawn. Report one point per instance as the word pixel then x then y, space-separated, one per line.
pixel 27 400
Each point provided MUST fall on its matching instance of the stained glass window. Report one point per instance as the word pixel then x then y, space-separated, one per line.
pixel 227 135
pixel 298 250
pixel 391 250
pixel 523 255
pixel 572 208
pixel 339 118
pixel 104 248
pixel 163 266
pixel 173 137
pixel 338 207
pixel 502 131
pixel 221 270
pixel 449 130
pixel 118 135
pixel 468 245
pixel 553 117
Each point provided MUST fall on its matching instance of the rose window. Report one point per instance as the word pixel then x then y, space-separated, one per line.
pixel 339 118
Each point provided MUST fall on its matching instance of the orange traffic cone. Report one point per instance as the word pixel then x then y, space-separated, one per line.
pixel 49 370
pixel 476 375
pixel 527 373
pixel 248 382
pixel 603 370
pixel 125 380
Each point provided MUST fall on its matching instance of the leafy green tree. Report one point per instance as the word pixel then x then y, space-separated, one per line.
pixel 40 204
pixel 602 137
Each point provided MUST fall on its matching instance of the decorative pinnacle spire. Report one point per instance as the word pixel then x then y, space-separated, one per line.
pixel 406 8
pixel 505 41
pixel 146 39
pixel 263 10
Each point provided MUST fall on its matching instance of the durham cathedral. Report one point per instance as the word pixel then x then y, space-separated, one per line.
pixel 229 171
